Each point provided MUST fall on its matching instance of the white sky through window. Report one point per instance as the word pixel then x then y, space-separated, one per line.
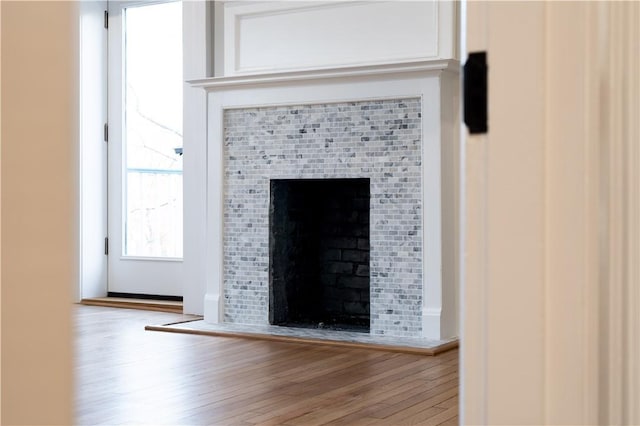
pixel 153 129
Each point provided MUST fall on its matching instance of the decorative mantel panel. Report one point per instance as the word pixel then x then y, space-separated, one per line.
pixel 381 123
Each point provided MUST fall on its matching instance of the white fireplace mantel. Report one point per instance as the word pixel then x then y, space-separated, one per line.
pixel 435 82
pixel 289 77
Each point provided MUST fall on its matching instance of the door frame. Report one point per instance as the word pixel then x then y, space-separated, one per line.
pixel 198 38
pixel 550 292
pixel 620 109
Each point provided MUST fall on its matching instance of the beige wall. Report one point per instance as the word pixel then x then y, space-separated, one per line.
pixel 39 167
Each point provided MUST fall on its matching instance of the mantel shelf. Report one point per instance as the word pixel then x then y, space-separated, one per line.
pixel 218 83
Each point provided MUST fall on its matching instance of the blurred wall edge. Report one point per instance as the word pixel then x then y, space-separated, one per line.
pixel 39 209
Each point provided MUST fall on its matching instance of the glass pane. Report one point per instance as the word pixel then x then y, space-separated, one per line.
pixel 154 224
pixel 153 130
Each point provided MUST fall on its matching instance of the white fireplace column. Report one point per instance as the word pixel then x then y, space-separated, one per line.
pixel 434 87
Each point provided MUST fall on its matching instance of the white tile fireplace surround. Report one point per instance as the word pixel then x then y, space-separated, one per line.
pixel 393 125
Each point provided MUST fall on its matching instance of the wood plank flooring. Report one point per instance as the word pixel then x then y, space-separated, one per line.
pixel 126 375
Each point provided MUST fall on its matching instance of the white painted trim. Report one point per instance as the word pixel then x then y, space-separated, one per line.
pixel 289 77
pixel 631 47
pixel 633 296
pixel 571 216
pixel 431 320
pixel 197 62
pixel 92 167
pixel 116 121
pixel 213 301
pixel 448 29
pixel 619 112
pixel 432 215
pixel 503 325
pixel 217 10
pixel 473 241
pixel 450 112
pixel 434 39
pixel 151 259
pixel 423 82
pixel 213 307
pixel 584 365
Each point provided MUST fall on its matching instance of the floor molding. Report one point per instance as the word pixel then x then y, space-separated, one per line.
pixel 141 304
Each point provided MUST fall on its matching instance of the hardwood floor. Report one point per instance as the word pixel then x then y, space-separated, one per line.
pixel 126 375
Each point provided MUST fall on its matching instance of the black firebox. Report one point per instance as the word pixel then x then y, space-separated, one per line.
pixel 319 253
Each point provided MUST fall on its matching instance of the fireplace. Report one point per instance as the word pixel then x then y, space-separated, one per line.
pixel 285 151
pixel 319 253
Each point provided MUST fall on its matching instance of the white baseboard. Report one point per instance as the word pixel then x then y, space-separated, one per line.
pixel 212 311
pixel 431 318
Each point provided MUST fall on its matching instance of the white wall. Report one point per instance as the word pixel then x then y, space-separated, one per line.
pixel 93 149
pixel 39 209
pixel 276 36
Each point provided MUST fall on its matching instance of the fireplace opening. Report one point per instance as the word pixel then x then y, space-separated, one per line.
pixel 319 253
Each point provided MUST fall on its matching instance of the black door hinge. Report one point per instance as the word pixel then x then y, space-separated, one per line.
pixel 106 132
pixel 106 19
pixel 475 92
pixel 106 245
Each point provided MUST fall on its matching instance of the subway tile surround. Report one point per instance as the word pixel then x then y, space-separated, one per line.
pixel 394 124
pixel 375 139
